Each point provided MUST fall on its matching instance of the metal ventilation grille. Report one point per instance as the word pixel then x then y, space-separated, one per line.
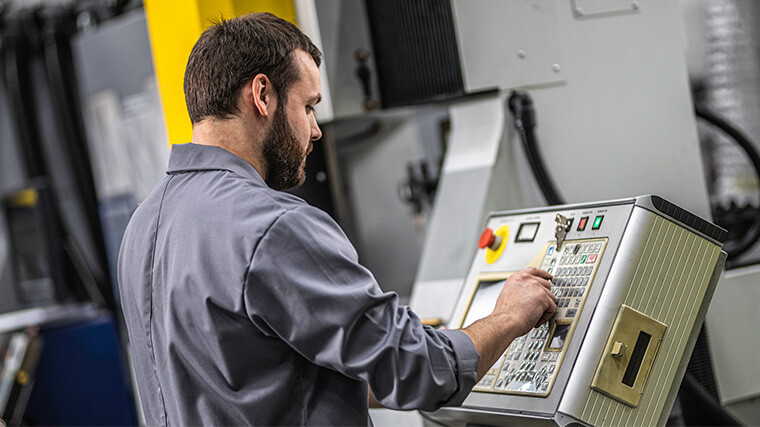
pixel 732 88
pixel 671 279
pixel 415 51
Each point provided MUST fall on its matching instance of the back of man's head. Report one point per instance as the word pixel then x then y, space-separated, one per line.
pixel 231 52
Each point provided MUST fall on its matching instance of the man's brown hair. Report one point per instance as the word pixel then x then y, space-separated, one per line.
pixel 232 52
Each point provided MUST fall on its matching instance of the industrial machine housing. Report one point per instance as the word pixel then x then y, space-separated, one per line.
pixel 633 278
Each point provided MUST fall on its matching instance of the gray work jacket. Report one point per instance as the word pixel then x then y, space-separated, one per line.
pixel 246 305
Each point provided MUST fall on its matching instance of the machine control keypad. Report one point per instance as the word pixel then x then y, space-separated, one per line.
pixel 531 363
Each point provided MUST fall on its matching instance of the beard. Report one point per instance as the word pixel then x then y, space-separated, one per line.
pixel 284 157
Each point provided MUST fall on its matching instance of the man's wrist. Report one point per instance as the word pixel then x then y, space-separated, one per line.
pixel 492 335
pixel 504 324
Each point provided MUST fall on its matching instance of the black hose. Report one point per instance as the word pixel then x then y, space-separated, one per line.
pixel 736 248
pixel 521 106
pixel 15 53
pixel 701 409
pixel 57 28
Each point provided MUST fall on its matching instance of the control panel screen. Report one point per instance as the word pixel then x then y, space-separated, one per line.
pixel 557 341
pixel 527 232
pixel 484 300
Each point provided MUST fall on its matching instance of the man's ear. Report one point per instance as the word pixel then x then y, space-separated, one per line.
pixel 264 96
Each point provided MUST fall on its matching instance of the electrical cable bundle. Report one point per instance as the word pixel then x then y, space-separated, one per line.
pixel 521 106
pixel 735 248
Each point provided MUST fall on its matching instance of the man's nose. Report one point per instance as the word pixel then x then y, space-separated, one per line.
pixel 316 132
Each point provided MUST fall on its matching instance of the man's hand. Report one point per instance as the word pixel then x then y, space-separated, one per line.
pixel 527 299
pixel 525 302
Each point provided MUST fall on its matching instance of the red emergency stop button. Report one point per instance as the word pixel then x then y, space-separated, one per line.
pixel 488 240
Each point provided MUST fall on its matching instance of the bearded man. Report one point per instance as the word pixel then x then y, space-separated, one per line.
pixel 246 305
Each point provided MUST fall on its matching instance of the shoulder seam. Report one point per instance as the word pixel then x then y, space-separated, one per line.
pixel 253 252
pixel 150 318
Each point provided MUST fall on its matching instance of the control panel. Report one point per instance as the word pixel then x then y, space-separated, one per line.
pixel 632 278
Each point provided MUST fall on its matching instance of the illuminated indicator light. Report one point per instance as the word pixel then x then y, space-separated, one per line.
pixel 597 222
pixel 582 223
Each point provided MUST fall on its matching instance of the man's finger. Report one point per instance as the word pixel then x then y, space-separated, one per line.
pixel 548 314
pixel 538 273
pixel 553 297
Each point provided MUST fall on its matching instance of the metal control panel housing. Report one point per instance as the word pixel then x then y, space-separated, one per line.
pixel 625 256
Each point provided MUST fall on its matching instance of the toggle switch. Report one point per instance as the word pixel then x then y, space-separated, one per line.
pixel 618 350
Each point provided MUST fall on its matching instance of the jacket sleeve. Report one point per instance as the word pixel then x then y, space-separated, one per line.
pixel 305 286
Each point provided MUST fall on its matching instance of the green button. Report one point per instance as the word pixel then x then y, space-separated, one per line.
pixel 597 222
pixel 583 259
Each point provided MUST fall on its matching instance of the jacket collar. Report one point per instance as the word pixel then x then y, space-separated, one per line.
pixel 195 157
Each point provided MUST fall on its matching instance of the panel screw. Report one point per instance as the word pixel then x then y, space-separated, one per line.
pixel 635 5
pixel 521 53
pixel 556 67
pixel 579 12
